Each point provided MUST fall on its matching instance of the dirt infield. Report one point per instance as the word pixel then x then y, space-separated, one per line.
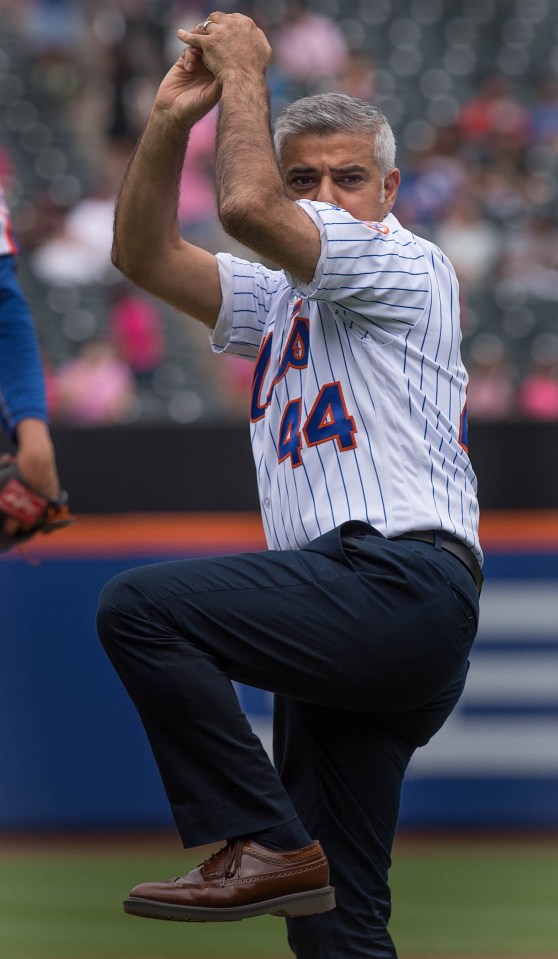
pixel 103 843
pixel 167 841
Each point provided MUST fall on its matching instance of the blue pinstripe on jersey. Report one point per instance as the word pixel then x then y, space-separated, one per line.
pixel 387 339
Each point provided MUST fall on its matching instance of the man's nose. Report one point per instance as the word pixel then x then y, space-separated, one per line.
pixel 327 192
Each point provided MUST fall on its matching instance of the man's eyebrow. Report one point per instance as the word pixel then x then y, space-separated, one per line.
pixel 301 169
pixel 349 168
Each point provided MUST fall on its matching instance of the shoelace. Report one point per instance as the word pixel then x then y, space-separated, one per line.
pixel 231 855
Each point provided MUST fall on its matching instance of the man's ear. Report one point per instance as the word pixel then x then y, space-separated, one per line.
pixel 391 186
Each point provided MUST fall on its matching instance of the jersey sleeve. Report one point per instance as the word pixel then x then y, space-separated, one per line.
pixel 248 291
pixel 22 389
pixel 375 273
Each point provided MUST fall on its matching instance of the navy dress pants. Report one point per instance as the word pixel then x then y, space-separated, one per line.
pixel 365 643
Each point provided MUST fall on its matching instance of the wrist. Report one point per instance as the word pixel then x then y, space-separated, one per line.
pixel 166 123
pixel 34 442
pixel 237 78
pixel 35 456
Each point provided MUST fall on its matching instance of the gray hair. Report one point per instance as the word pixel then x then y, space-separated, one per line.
pixel 327 113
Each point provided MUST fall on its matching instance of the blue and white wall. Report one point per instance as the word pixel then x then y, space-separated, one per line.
pixel 72 753
pixel 496 760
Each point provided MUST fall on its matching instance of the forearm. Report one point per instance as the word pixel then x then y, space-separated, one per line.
pixel 22 391
pixel 253 206
pixel 35 457
pixel 145 226
pixel 248 178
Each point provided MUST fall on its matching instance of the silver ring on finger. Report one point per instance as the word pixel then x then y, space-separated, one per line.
pixel 205 25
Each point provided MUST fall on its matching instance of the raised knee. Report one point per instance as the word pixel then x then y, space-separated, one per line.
pixel 118 600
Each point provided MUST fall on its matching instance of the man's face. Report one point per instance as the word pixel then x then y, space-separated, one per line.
pixel 338 168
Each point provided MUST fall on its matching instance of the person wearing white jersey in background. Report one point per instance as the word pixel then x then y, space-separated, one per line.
pixel 361 614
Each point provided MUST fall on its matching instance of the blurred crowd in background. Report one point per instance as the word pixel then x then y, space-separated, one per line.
pixel 470 88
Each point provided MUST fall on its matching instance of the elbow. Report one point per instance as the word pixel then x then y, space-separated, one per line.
pixel 125 263
pixel 117 259
pixel 240 220
pixel 232 218
pixel 251 217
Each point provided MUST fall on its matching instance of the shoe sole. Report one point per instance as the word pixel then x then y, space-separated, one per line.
pixel 297 904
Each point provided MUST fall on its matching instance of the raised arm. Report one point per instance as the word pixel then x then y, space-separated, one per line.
pixel 253 207
pixel 148 247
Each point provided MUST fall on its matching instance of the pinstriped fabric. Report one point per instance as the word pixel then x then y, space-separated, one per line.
pixel 359 388
pixel 7 242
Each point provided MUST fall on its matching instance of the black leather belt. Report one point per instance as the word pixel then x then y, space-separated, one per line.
pixel 452 545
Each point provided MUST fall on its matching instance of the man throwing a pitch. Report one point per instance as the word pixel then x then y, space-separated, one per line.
pixel 361 614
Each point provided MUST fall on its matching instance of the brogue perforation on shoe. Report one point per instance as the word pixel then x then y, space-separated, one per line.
pixel 240 880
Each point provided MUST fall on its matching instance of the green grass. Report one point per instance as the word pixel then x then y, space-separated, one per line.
pixel 458 899
pixel 476 899
pixel 65 906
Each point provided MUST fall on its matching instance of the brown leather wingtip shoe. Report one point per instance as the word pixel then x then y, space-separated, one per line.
pixel 240 880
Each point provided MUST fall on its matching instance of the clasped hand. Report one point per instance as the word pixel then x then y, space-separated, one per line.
pixel 229 49
pixel 227 44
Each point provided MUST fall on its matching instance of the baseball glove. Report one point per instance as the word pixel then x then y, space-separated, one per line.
pixel 33 511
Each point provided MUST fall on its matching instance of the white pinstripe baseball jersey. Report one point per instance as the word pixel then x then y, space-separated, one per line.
pixel 358 404
pixel 7 242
